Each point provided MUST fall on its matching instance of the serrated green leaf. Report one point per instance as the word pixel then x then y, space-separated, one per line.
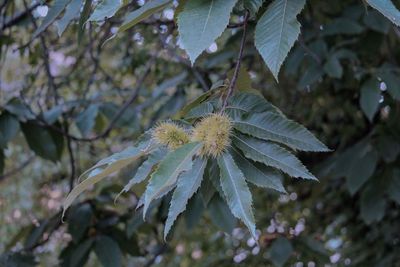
pixel 272 155
pixel 145 169
pixel 236 191
pixel 148 9
pixel 187 185
pixel 108 251
pixel 370 96
pixel 242 103
pixel 276 32
pixel 259 175
pixel 200 111
pixel 105 9
pixel 103 169
pixel 72 11
pixel 143 143
pixel 201 22
pixel 176 162
pixel 387 8
pixel 270 126
pixel 54 11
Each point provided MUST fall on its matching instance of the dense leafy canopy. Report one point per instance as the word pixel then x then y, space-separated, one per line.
pixel 177 101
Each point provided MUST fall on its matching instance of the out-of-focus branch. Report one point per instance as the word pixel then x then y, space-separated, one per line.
pixel 17 169
pixel 116 117
pixel 19 16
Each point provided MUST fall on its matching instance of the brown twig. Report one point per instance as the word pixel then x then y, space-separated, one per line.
pixel 238 62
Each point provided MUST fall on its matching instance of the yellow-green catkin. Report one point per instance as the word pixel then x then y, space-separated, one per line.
pixel 170 134
pixel 214 132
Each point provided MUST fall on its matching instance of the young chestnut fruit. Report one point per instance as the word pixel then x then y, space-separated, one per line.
pixel 214 132
pixel 170 134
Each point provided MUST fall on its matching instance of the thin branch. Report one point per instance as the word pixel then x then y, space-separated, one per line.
pixel 16 18
pixel 115 118
pixel 71 157
pixel 238 62
pixel 17 170
pixel 200 79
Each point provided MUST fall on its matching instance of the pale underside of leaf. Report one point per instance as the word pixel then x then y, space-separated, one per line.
pixel 145 169
pixel 188 183
pixel 126 153
pixel 99 174
pixel 176 162
pixel 54 11
pixel 201 22
pixel 72 11
pixel 276 32
pixel 105 9
pixel 271 155
pixel 236 192
pixel 270 126
pixel 148 9
pixel 387 8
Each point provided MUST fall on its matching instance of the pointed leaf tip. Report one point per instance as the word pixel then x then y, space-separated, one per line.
pixel 276 32
pixel 188 183
pixel 164 178
pixel 236 192
pixel 200 23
